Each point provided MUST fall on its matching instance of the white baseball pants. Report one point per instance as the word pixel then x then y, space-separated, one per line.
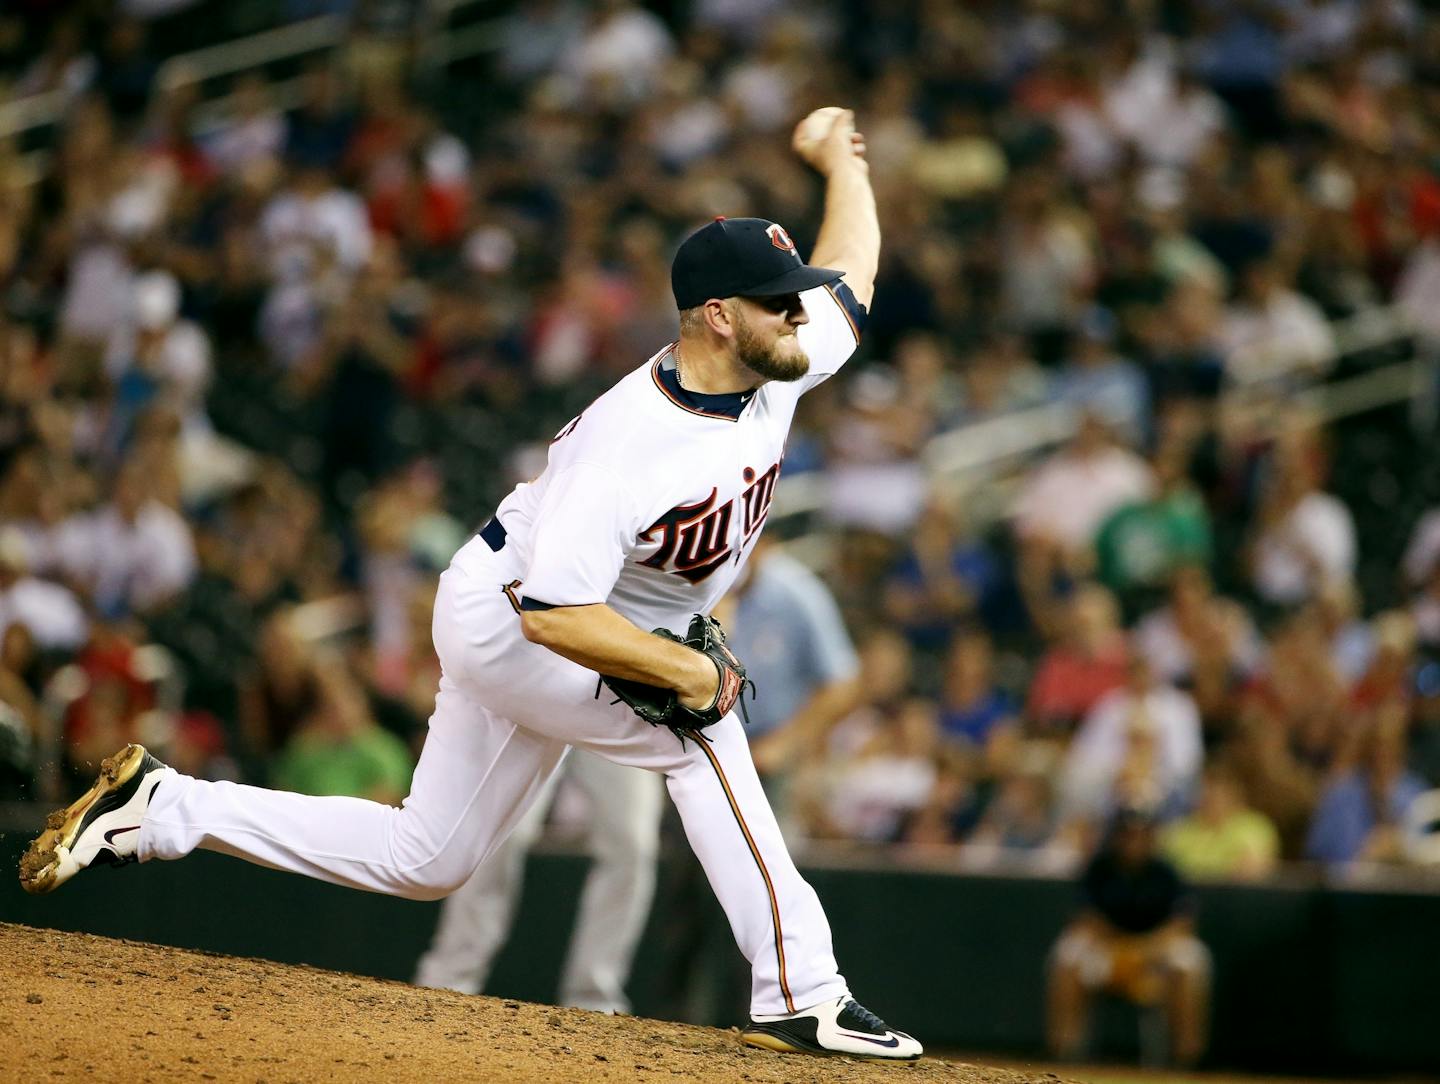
pixel 625 809
pixel 505 714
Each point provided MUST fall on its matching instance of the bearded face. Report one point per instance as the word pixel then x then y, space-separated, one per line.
pixel 773 353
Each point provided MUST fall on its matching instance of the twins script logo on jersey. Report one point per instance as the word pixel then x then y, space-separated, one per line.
pixel 695 538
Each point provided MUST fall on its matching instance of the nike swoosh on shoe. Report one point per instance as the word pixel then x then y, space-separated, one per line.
pixel 110 835
pixel 890 1043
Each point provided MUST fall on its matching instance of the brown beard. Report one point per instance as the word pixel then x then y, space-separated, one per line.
pixel 765 361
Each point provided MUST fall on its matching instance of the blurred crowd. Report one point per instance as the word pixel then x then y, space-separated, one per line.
pixel 271 346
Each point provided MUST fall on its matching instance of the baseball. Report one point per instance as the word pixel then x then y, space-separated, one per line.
pixel 814 128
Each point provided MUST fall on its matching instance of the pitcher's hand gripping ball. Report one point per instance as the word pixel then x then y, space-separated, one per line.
pixel 826 137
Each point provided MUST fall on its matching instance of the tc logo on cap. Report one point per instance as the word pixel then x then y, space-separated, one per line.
pixel 779 238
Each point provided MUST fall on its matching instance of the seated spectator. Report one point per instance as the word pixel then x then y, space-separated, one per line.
pixel 1165 109
pixel 999 377
pixel 942 579
pixel 928 378
pixel 1425 610
pixel 1202 643
pixel 131 555
pixel 619 56
pixel 405 707
pixel 20 660
pixel 35 492
pixel 419 192
pixel 1022 815
pixel 1304 538
pixel 1360 814
pixel 1140 545
pixel 975 712
pixel 49 612
pixel 1300 693
pixel 1352 640
pixel 1222 839
pixel 339 749
pixel 1421 568
pixel 876 479
pixel 1186 366
pixel 1088 662
pixel 1417 292
pixel 158 355
pixel 1099 380
pixel 114 703
pixel 878 729
pixel 313 220
pixel 322 125
pixel 1273 333
pixel 953 806
pixel 1066 499
pixel 253 129
pixel 1390 675
pixel 282 691
pixel 1424 752
pixel 1272 779
pixel 1133 287
pixel 888 779
pixel 23 725
pixel 267 539
pixel 405 532
pixel 1047 260
pixel 1062 505
pixel 1422 552
pixel 1140 742
pixel 199 747
pixel 960 160
pixel 861 559
pixel 1135 938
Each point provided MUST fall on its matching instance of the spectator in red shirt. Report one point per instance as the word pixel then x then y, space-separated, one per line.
pixel 1389 677
pixel 114 697
pixel 1088 662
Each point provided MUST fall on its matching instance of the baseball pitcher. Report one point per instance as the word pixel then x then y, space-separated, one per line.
pixel 650 502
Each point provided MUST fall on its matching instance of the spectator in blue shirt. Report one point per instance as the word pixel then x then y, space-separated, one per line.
pixel 941 580
pixel 1101 381
pixel 1359 815
pixel 974 710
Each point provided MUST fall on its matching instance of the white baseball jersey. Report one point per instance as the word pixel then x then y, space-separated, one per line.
pixel 653 497
pixel 650 502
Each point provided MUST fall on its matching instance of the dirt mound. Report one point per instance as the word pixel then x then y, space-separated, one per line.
pixel 75 1005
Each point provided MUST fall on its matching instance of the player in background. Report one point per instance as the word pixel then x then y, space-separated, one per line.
pixel 649 503
pixel 787 628
pixel 625 806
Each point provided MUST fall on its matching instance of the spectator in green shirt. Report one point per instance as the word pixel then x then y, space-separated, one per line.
pixel 1141 545
pixel 340 750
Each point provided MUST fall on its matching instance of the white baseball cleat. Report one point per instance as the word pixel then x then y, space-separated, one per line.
pixel 842 1026
pixel 103 825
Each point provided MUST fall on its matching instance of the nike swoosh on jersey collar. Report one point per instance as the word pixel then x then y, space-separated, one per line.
pixel 727 405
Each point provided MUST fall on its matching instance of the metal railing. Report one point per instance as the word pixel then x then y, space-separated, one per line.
pixel 442 45
pixel 256 51
pixel 32 111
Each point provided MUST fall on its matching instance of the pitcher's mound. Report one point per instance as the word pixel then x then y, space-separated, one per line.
pixel 74 1005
